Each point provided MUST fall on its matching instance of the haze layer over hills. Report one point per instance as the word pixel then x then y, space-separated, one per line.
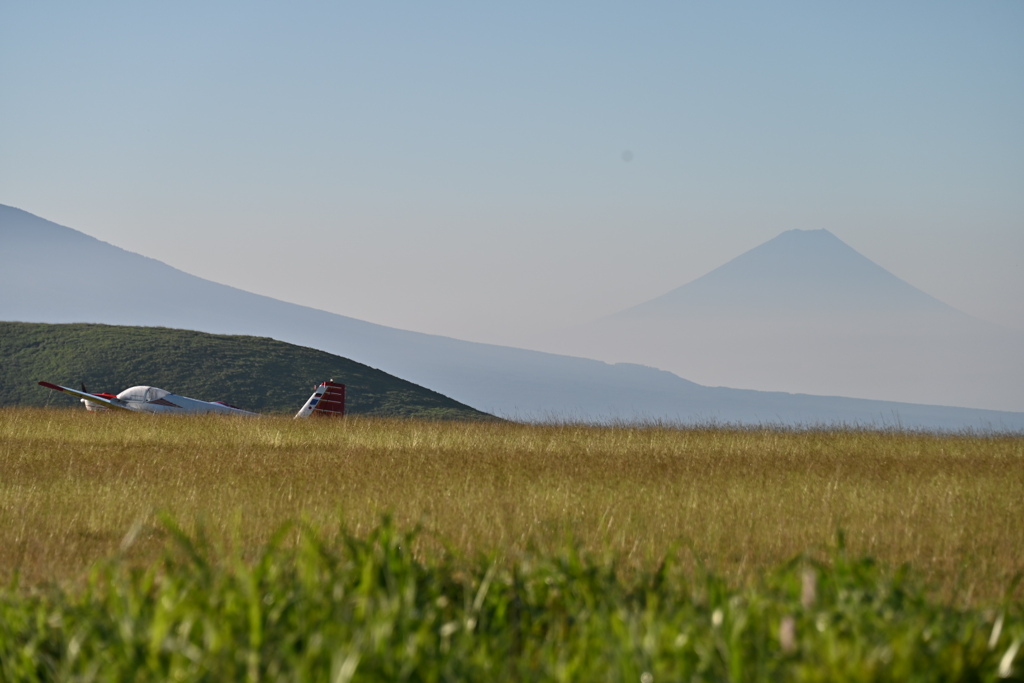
pixel 50 273
pixel 805 312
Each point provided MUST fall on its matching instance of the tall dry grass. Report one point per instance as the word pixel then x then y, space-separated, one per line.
pixel 73 486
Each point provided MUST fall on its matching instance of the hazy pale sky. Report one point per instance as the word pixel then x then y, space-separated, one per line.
pixel 487 171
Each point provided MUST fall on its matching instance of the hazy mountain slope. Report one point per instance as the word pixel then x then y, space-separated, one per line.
pixel 254 373
pixel 49 273
pixel 805 312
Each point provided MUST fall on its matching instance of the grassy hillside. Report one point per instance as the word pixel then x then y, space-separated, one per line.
pixel 255 373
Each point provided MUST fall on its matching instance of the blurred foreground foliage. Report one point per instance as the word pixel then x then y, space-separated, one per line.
pixel 316 606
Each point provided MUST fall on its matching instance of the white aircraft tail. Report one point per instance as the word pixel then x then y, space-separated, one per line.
pixel 328 399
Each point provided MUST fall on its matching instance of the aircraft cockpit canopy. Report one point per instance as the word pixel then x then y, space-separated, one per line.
pixel 142 394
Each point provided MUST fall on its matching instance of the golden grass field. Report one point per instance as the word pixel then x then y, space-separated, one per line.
pixel 76 487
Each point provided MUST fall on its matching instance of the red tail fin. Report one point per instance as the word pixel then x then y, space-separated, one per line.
pixel 328 399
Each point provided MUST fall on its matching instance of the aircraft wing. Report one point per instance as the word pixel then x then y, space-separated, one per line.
pixel 105 402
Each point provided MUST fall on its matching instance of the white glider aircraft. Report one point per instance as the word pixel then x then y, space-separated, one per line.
pixel 328 399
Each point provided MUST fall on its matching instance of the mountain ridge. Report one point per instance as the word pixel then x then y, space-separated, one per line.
pixel 118 287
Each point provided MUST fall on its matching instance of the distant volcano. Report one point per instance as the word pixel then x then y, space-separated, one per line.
pixel 805 312
pixel 800 272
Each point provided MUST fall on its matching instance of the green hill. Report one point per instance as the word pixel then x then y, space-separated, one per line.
pixel 255 373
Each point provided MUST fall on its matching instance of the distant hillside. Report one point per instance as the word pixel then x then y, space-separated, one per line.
pixel 255 373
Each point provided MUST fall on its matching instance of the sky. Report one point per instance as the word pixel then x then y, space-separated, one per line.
pixel 491 171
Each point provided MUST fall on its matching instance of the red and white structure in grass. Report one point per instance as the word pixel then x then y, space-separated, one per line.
pixel 328 400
